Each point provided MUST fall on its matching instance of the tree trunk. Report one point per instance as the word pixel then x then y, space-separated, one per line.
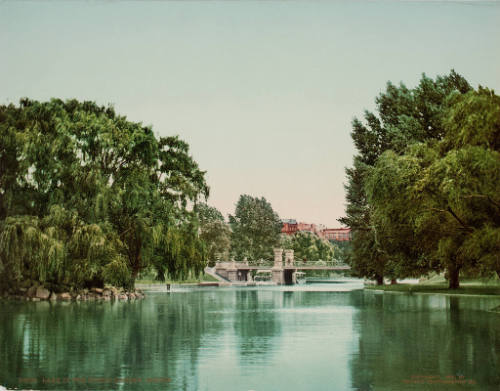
pixel 380 280
pixel 393 281
pixel 453 280
pixel 135 259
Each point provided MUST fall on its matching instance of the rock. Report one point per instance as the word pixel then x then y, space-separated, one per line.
pixel 106 292
pixel 132 296
pixel 53 296
pixel 35 299
pixel 31 291
pixel 97 290
pixel 64 296
pixel 78 297
pixel 42 293
pixel 123 297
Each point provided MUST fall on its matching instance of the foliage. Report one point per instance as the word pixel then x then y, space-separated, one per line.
pixel 404 117
pixel 342 249
pixel 214 232
pixel 438 203
pixel 255 229
pixel 308 247
pixel 87 197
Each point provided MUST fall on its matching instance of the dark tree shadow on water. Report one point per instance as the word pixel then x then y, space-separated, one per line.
pixel 256 325
pixel 424 342
pixel 151 344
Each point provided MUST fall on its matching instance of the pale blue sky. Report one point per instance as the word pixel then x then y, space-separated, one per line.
pixel 264 92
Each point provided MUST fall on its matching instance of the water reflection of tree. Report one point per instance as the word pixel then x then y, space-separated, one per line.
pixel 401 336
pixel 255 323
pixel 145 339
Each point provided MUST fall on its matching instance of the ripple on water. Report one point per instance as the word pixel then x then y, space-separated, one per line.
pixel 271 338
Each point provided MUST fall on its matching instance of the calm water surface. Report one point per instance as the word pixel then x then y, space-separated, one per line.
pixel 308 337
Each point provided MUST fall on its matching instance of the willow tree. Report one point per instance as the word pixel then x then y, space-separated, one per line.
pixel 439 201
pixel 403 116
pixel 117 189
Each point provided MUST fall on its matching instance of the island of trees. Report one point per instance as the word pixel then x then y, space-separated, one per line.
pixel 423 194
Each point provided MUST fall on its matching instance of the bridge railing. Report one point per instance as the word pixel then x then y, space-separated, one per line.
pixel 298 263
pixel 321 263
pixel 267 264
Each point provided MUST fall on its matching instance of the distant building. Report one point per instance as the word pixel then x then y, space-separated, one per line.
pixel 307 227
pixel 337 234
pixel 291 226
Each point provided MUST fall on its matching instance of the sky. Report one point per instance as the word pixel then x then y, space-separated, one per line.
pixel 264 92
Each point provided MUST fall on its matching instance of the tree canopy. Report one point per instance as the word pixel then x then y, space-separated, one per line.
pixel 309 247
pixel 88 197
pixel 214 232
pixel 255 229
pixel 445 194
pixel 428 200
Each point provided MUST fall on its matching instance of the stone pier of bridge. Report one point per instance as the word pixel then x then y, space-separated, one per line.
pixel 283 274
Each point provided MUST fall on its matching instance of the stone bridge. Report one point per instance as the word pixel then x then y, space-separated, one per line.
pixel 282 272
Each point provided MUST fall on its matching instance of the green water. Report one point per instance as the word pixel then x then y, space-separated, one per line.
pixel 313 337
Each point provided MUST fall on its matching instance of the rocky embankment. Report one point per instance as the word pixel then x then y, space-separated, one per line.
pixel 40 293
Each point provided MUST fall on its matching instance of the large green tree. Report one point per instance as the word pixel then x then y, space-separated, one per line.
pixel 308 247
pixel 255 229
pixel 101 197
pixel 214 232
pixel 438 203
pixel 403 116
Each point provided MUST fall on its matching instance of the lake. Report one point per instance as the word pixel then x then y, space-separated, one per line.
pixel 303 337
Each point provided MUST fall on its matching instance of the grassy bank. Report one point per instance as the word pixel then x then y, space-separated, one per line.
pixel 437 284
pixel 422 288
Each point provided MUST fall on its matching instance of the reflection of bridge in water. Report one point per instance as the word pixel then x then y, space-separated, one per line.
pixel 281 273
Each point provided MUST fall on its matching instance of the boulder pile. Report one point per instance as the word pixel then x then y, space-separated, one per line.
pixel 39 293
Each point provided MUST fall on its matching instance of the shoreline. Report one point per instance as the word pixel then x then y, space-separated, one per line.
pixel 440 291
pixel 468 290
pixel 431 293
pixel 40 293
pixel 215 284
